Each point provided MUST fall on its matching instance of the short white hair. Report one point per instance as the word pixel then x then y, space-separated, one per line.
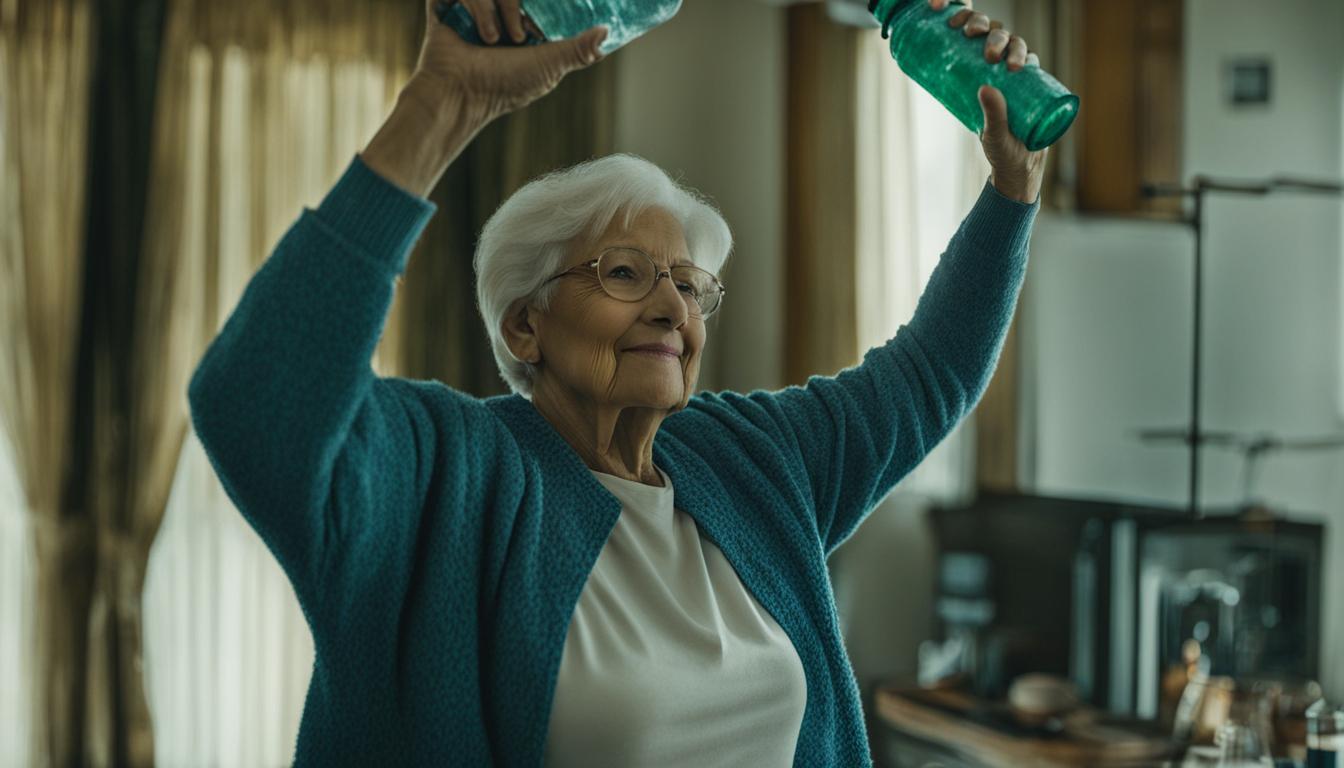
pixel 527 240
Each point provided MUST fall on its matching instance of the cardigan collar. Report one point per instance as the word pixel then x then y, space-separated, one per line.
pixel 697 488
pixel 570 551
pixel 539 438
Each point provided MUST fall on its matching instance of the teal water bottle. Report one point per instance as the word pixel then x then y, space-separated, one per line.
pixel 560 19
pixel 952 67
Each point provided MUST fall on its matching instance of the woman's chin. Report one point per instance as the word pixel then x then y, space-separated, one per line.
pixel 660 396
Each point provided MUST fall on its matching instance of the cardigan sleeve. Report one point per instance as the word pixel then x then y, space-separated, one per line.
pixel 854 435
pixel 317 452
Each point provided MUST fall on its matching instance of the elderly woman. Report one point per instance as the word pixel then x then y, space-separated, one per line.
pixel 601 568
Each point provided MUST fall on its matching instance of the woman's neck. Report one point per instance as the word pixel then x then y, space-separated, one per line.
pixel 616 440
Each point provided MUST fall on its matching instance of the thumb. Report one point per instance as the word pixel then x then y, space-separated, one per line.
pixel 578 51
pixel 995 109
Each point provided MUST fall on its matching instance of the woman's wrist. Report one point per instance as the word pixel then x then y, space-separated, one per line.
pixel 1026 192
pixel 430 125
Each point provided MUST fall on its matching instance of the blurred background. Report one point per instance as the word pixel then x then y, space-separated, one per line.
pixel 1155 557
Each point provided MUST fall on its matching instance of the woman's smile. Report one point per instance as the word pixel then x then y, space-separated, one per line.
pixel 656 351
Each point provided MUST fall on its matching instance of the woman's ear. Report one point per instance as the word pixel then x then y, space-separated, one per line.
pixel 519 332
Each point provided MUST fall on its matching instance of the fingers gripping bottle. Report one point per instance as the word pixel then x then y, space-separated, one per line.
pixel 952 67
pixel 560 19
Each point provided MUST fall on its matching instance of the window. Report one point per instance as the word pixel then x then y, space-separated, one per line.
pixel 920 172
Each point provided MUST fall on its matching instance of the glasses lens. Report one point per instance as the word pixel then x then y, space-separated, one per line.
pixel 628 275
pixel 625 274
pixel 700 288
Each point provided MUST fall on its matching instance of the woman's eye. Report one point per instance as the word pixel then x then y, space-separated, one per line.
pixel 686 288
pixel 623 273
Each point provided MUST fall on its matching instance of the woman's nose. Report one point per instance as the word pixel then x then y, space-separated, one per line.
pixel 666 303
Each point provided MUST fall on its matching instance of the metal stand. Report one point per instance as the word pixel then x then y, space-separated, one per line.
pixel 1203 185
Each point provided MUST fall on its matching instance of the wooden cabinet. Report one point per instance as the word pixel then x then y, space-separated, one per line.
pixel 1130 126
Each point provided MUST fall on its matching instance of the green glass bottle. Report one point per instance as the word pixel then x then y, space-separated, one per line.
pixel 952 67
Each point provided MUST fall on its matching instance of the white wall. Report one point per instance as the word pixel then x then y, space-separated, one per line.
pixel 1108 302
pixel 703 97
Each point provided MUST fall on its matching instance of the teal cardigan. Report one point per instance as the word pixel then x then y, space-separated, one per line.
pixel 438 542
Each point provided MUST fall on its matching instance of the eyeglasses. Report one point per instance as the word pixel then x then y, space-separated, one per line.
pixel 629 274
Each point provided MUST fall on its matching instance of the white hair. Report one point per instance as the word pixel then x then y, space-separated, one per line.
pixel 527 240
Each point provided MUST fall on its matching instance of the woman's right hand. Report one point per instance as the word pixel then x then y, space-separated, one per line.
pixel 498 80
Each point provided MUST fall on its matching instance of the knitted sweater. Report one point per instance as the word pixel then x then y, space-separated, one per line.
pixel 438 542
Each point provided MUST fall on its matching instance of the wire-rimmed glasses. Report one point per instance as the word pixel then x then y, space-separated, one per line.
pixel 629 274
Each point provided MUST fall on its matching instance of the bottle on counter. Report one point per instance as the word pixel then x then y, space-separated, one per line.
pixel 1325 734
pixel 952 67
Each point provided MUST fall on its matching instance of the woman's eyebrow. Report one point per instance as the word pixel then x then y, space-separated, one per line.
pixel 647 252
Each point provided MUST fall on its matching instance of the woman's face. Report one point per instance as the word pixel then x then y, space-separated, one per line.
pixel 587 338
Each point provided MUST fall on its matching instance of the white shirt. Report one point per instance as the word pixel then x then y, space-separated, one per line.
pixel 668 659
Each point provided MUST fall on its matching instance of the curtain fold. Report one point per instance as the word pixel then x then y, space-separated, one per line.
pixel 45 54
pixel 119 394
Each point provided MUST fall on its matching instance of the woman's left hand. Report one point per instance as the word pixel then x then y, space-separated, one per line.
pixel 1017 173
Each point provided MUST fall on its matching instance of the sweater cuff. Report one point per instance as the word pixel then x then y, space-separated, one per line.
pixel 380 220
pixel 999 222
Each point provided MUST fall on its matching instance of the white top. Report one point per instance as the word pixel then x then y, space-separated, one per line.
pixel 668 660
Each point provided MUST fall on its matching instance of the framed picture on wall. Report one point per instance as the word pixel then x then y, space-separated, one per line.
pixel 1247 81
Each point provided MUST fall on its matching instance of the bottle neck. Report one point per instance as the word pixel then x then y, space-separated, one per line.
pixel 886 11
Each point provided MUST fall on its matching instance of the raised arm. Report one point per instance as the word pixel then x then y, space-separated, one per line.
pixel 859 432
pixel 851 437
pixel 839 443
pixel 324 459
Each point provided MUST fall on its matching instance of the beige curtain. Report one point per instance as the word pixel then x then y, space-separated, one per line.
pixel 259 110
pixel 45 54
pixel 16 612
pixel 260 107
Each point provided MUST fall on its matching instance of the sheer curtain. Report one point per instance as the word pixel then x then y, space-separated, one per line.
pixel 16 607
pixel 227 653
pixel 919 173
pixel 46 546
pixel 258 112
